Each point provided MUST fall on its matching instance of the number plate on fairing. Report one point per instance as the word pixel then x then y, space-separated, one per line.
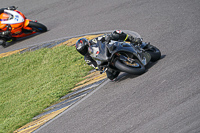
pixel 93 50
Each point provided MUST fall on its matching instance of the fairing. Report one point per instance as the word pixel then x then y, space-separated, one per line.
pixel 100 53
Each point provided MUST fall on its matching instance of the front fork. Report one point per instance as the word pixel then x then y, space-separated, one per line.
pixel 124 58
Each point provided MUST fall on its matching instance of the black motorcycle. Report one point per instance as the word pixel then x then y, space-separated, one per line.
pixel 123 56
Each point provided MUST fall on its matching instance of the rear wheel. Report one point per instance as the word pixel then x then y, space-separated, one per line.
pixel 38 27
pixel 154 52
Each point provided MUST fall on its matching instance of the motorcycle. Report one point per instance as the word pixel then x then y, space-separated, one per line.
pixel 123 56
pixel 18 25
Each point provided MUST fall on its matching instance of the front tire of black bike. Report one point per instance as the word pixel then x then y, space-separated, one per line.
pixel 140 69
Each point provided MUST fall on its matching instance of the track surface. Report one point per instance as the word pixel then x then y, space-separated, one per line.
pixel 164 99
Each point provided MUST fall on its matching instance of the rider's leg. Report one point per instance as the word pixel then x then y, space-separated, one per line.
pixel 88 59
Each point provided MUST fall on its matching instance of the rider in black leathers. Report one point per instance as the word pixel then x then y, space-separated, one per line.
pixel 82 47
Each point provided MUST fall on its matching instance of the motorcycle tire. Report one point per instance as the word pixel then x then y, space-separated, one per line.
pixel 130 69
pixel 154 52
pixel 3 42
pixel 38 27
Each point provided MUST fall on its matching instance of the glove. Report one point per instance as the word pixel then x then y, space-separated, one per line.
pixel 131 39
pixel 12 8
pixel 5 33
pixel 135 40
pixel 138 41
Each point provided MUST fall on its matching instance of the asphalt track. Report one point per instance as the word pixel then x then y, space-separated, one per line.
pixel 166 99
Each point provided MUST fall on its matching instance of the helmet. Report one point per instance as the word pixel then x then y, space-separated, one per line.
pixel 82 46
pixel 119 35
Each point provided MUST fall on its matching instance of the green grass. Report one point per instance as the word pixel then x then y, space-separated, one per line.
pixel 32 81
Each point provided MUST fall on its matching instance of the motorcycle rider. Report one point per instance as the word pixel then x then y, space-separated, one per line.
pixel 5 30
pixel 118 35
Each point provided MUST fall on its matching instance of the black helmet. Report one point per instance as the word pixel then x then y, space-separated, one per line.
pixel 82 46
pixel 119 35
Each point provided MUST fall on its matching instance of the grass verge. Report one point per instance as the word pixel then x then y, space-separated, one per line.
pixel 32 81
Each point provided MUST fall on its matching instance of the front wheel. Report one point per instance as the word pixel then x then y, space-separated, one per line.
pixel 136 68
pixel 38 27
